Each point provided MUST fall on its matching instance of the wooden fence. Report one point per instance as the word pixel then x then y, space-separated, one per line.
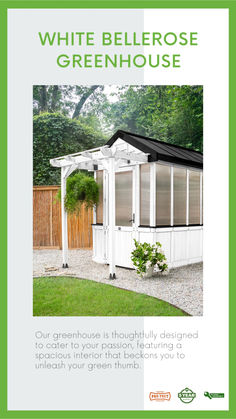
pixel 47 222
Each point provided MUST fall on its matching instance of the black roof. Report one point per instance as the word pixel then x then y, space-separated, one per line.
pixel 159 150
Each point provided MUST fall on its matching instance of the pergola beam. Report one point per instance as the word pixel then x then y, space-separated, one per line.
pixel 136 157
pixel 87 155
pixel 98 157
pixel 71 169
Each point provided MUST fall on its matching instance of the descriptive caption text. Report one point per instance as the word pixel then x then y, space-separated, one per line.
pixel 92 351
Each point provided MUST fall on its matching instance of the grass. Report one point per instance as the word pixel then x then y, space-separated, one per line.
pixel 65 296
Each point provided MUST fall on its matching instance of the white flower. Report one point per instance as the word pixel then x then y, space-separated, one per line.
pixel 148 264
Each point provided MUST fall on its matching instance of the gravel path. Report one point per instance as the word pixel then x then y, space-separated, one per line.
pixel 181 287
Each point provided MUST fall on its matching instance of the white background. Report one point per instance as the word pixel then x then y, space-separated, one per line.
pixel 206 366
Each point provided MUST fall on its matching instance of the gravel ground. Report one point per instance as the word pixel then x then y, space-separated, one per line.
pixel 181 287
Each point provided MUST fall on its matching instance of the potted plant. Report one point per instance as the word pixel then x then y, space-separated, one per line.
pixel 80 188
pixel 146 256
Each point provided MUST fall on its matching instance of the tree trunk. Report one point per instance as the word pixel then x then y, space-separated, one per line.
pixel 82 101
pixel 54 98
pixel 43 97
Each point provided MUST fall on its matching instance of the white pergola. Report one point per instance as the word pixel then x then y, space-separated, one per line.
pixel 105 158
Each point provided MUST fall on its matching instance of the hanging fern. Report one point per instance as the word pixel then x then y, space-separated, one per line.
pixel 80 189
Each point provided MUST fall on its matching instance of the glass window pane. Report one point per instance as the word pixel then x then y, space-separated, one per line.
pixel 180 193
pixel 194 197
pixel 99 213
pixel 123 182
pixel 145 194
pixel 162 195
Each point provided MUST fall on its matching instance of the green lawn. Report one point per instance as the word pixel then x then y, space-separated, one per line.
pixel 64 296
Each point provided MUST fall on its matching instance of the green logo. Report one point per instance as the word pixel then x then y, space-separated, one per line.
pixel 214 395
pixel 186 395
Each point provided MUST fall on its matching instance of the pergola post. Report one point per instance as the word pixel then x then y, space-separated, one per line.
pixel 64 219
pixel 111 213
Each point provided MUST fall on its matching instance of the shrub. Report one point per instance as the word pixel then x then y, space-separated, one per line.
pixel 57 135
pixel 145 255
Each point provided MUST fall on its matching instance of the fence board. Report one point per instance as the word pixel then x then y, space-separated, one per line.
pixel 47 221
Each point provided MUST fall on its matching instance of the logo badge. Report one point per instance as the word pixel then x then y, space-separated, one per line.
pixel 186 395
pixel 159 396
pixel 214 395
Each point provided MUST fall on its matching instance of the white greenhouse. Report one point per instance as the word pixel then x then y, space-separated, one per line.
pixel 149 191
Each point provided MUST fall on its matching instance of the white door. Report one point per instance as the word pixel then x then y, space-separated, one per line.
pixel 125 216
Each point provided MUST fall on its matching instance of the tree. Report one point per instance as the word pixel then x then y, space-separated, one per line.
pixel 168 113
pixel 69 100
pixel 186 119
pixel 87 92
pixel 53 99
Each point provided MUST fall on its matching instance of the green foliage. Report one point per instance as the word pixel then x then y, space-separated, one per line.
pixel 80 189
pixel 56 135
pixel 145 255
pixel 65 296
pixel 186 117
pixel 172 114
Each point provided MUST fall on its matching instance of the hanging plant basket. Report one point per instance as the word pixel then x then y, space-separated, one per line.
pixel 80 189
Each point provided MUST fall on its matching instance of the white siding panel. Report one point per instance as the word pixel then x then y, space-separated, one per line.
pixel 124 246
pixel 147 236
pixel 165 240
pixel 179 246
pixel 195 244
pixel 99 244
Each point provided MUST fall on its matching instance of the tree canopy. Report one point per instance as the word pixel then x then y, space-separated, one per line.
pixel 68 119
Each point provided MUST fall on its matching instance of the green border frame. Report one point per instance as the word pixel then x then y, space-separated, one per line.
pixel 4 5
